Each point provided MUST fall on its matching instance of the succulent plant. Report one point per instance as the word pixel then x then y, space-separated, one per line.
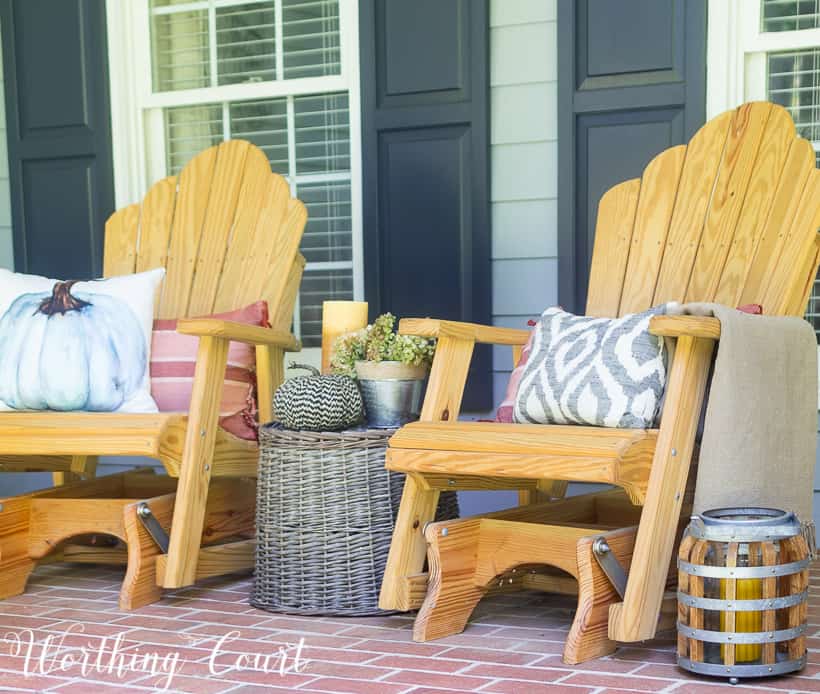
pixel 379 342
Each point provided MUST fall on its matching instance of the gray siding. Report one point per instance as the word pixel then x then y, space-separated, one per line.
pixel 524 156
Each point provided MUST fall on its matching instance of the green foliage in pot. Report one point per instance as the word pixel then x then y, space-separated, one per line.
pixel 380 342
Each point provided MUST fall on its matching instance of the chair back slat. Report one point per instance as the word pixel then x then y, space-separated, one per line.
pixel 772 157
pixel 155 224
pixel 703 155
pixel 226 230
pixel 616 215
pixel 731 217
pixel 659 189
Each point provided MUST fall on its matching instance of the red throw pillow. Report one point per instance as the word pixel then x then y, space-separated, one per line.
pixel 173 360
pixel 504 413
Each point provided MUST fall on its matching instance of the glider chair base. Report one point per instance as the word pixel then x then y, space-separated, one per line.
pixel 516 549
pixel 55 525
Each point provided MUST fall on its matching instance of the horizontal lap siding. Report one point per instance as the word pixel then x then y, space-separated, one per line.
pixel 523 64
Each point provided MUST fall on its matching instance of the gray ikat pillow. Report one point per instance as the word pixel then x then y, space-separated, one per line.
pixel 608 372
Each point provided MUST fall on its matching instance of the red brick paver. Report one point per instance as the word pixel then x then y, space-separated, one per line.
pixel 512 646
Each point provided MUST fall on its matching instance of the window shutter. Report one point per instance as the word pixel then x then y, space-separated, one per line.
pixel 425 143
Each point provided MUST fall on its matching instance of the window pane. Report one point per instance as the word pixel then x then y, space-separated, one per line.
pixel 794 82
pixel 310 34
pixel 179 50
pixel 189 130
pixel 245 43
pixel 319 286
pixel 265 123
pixel 328 236
pixel 322 133
pixel 790 15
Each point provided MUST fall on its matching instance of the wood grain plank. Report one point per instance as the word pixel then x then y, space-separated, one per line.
pixel 785 287
pixel 256 181
pixel 267 234
pixel 217 226
pixel 703 156
pixel 189 216
pixel 636 618
pixel 120 253
pixel 760 195
pixel 659 189
pixel 613 234
pixel 156 221
pixel 745 134
pixel 195 471
pixel 766 263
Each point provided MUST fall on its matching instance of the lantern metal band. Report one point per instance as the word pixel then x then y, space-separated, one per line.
pixel 741 637
pixel 742 571
pixel 721 525
pixel 719 670
pixel 743 605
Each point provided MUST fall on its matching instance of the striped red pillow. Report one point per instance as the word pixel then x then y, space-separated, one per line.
pixel 173 360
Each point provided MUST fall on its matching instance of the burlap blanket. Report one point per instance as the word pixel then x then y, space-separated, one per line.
pixel 760 427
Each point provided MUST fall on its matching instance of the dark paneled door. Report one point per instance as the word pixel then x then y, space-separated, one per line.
pixel 631 82
pixel 59 134
pixel 425 146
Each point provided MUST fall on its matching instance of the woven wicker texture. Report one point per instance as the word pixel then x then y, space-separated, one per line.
pixel 324 519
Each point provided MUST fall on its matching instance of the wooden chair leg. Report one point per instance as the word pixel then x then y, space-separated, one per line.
pixel 15 564
pixel 139 587
pixel 195 468
pixel 408 547
pixel 588 637
pixel 452 593
pixel 82 467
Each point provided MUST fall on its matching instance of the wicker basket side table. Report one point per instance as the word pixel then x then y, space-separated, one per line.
pixel 324 520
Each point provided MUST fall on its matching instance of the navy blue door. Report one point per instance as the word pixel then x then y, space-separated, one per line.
pixel 425 146
pixel 631 82
pixel 59 133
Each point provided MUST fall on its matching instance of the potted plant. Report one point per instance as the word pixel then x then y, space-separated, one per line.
pixel 391 369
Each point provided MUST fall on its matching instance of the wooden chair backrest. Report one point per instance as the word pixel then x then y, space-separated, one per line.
pixel 226 230
pixel 732 217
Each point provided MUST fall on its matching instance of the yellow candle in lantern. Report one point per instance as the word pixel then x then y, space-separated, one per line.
pixel 338 318
pixel 745 589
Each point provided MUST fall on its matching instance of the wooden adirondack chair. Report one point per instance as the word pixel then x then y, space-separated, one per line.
pixel 227 232
pixel 731 217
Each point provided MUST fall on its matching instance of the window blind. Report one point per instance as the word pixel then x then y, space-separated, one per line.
pixel 319 137
pixel 789 15
pixel 212 43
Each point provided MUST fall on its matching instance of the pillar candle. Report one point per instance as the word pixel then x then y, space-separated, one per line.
pixel 338 318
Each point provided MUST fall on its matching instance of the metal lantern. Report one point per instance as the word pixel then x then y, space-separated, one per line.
pixel 742 593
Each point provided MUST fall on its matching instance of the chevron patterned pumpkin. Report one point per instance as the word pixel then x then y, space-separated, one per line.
pixel 318 403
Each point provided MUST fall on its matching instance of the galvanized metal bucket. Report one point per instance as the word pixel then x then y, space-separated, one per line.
pixel 392 392
pixel 742 593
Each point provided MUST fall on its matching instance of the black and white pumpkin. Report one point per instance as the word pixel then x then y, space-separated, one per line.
pixel 318 403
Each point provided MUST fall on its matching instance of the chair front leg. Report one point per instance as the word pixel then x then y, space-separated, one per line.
pixel 408 549
pixel 195 469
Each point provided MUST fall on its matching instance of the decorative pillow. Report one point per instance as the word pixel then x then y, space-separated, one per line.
pixel 173 360
pixel 504 413
pixel 595 371
pixel 76 345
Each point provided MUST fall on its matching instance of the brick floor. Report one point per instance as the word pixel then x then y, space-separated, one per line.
pixel 512 646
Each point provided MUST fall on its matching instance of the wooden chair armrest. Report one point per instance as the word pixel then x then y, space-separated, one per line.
pixel 239 332
pixel 487 334
pixel 677 326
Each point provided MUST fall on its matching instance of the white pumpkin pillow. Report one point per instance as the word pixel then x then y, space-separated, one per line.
pixel 77 345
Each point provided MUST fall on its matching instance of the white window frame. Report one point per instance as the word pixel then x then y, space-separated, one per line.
pixel 736 53
pixel 136 111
